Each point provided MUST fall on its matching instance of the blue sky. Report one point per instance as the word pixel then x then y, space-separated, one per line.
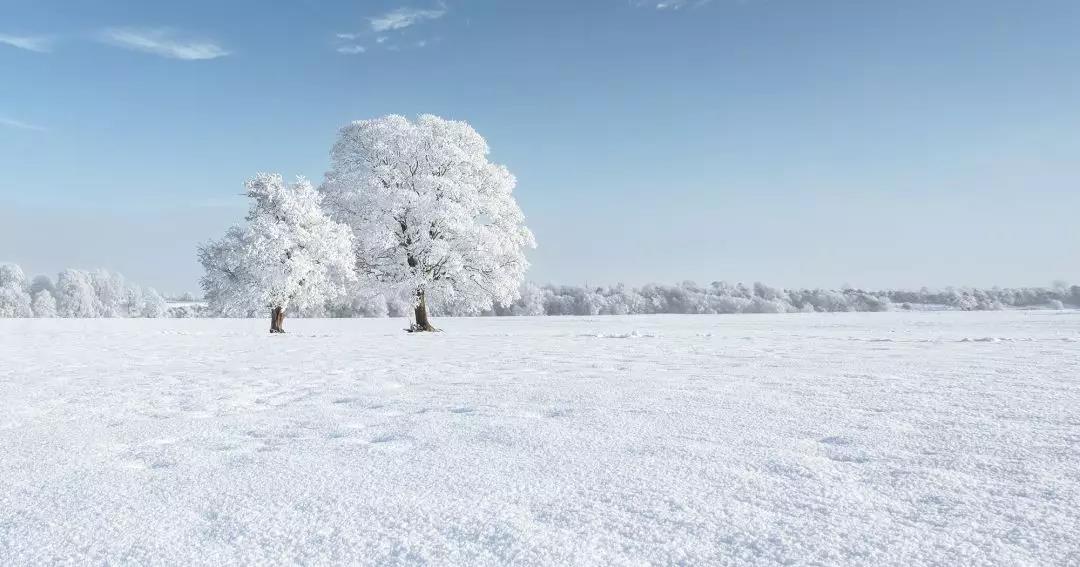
pixel 796 142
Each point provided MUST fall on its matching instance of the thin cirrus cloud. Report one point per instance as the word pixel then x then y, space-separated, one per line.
pixel 38 43
pixel 402 18
pixel 677 4
pixel 390 23
pixel 163 42
pixel 20 125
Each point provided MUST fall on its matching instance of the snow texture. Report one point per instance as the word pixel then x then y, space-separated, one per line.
pixel 940 438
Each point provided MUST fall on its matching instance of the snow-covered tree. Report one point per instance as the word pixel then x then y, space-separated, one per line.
pixel 14 294
pixel 531 301
pixel 75 295
pixel 151 304
pixel 11 275
pixel 431 215
pixel 111 289
pixel 44 304
pixel 14 302
pixel 134 301
pixel 290 254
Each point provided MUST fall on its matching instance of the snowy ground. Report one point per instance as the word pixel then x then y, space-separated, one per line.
pixel 858 439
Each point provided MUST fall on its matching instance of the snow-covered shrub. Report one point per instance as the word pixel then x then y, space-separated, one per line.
pixel 187 311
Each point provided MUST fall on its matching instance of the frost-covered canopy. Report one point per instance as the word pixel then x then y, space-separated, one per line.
pixel 430 213
pixel 289 255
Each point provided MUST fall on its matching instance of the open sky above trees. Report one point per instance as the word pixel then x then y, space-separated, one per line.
pixel 807 144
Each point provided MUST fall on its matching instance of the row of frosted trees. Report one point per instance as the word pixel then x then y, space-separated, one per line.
pixel 101 293
pixel 717 298
pixel 720 297
pixel 76 293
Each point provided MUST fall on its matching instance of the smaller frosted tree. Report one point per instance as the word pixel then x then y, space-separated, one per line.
pixel 290 254
pixel 44 304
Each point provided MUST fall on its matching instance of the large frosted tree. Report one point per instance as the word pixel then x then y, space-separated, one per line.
pixel 290 254
pixel 431 215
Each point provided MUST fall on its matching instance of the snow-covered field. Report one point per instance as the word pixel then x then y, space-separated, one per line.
pixel 831 439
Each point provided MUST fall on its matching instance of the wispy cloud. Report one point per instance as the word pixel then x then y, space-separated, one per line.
pixel 388 31
pixel 20 125
pixel 675 4
pixel 163 42
pixel 402 18
pixel 38 43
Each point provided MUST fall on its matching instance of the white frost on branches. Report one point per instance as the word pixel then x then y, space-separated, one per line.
pixel 290 254
pixel 431 215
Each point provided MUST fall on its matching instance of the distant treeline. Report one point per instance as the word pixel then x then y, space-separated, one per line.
pixel 100 293
pixel 76 293
pixel 716 298
pixel 721 297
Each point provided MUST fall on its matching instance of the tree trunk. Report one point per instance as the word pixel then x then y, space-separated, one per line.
pixel 422 322
pixel 277 320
